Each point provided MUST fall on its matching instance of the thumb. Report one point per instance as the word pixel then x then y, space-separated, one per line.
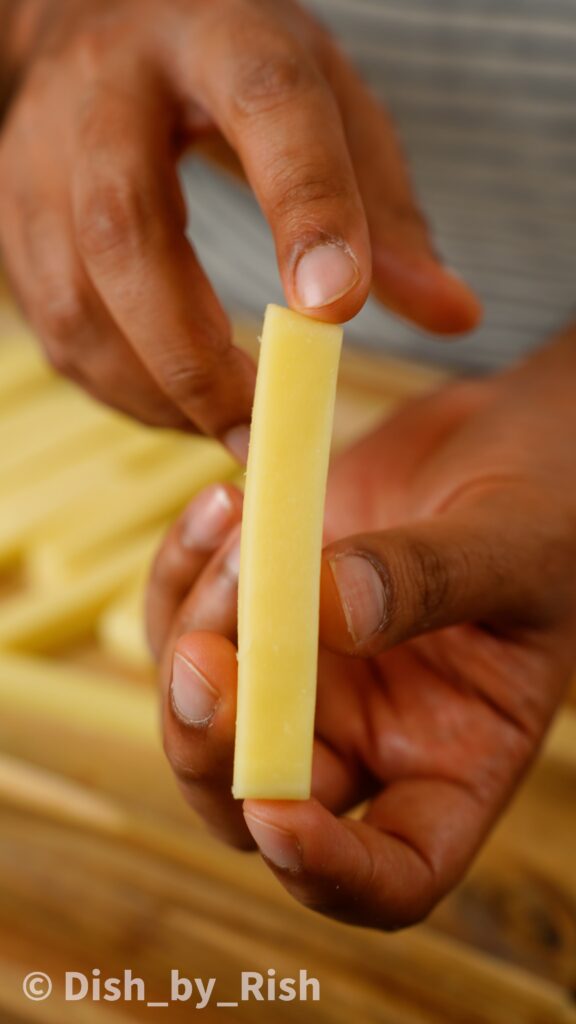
pixel 474 564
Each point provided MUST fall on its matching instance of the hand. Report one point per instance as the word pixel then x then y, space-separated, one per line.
pixel 92 219
pixel 448 634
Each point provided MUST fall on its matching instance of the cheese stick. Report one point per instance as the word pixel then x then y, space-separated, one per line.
pixel 49 621
pixel 121 630
pixel 280 555
pixel 75 544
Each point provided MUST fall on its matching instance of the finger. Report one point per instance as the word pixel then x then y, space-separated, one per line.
pixel 199 727
pixel 275 108
pixel 489 559
pixel 409 277
pixel 79 337
pixel 130 222
pixel 386 871
pixel 339 777
pixel 39 251
pixel 198 722
pixel 212 603
pixel 198 533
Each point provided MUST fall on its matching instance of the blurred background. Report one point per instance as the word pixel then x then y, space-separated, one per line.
pixel 101 863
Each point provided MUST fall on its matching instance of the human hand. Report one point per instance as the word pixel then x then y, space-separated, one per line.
pixel 442 660
pixel 92 220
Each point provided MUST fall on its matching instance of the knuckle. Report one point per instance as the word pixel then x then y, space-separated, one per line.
pixel 112 216
pixel 298 189
pixel 189 382
pixel 64 314
pixel 104 116
pixel 186 773
pixel 429 578
pixel 269 81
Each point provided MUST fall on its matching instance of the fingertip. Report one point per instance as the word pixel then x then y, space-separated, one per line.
pixel 276 839
pixel 341 311
pixel 200 692
pixel 283 813
pixel 200 530
pixel 194 699
pixel 283 829
pixel 460 309
pixel 198 718
pixel 330 280
pixel 315 855
pixel 301 818
pixel 426 293
pixel 209 517
pixel 212 654
pixel 237 441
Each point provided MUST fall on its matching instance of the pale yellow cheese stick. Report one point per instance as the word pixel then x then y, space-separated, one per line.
pixel 56 401
pixel 76 542
pixel 85 697
pixel 121 630
pixel 48 621
pixel 15 416
pixel 38 466
pixel 22 369
pixel 280 555
pixel 65 497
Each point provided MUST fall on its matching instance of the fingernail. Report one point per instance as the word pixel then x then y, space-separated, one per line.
pixel 361 593
pixel 237 440
pixel 208 520
pixel 324 274
pixel 278 846
pixel 194 699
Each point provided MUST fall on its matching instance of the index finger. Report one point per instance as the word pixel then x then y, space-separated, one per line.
pixel 130 223
pixel 276 109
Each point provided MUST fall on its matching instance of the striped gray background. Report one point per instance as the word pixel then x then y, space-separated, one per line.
pixel 484 94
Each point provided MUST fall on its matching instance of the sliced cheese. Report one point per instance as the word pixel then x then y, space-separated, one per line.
pixel 280 555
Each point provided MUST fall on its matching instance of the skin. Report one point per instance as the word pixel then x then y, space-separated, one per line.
pixel 101 98
pixel 465 504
